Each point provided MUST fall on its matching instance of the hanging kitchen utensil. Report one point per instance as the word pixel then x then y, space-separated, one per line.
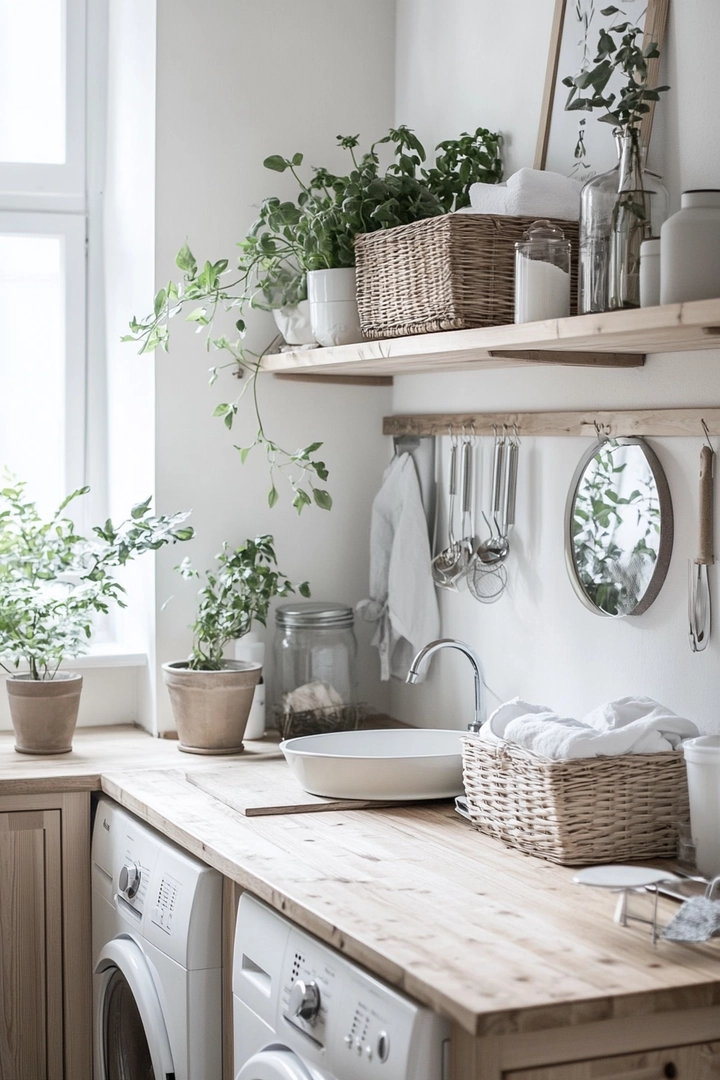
pixel 487 577
pixel 445 562
pixel 699 614
pixel 467 531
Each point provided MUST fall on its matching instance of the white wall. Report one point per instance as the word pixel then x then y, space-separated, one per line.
pixel 237 81
pixel 461 63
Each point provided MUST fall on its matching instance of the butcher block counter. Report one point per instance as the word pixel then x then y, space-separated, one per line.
pixel 530 967
pixel 538 981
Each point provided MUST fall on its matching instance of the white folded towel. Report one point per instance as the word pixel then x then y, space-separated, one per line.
pixel 402 594
pixel 528 193
pixel 626 726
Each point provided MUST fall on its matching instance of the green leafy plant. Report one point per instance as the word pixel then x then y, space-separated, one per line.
pixel 54 582
pixel 234 595
pixel 610 574
pixel 315 232
pixel 619 49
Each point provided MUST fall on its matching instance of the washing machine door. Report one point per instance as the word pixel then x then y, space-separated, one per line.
pixel 131 1041
pixel 276 1063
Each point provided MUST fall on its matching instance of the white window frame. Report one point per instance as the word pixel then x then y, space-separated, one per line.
pixel 58 187
pixel 70 229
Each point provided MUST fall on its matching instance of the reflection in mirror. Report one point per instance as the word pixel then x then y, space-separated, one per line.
pixel 619 528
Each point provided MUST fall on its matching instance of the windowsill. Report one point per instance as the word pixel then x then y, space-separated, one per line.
pixel 106 655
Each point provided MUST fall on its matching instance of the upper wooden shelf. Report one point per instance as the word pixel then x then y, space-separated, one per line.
pixel 613 339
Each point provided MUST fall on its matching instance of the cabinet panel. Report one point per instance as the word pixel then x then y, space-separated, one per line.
pixel 699 1062
pixel 31 989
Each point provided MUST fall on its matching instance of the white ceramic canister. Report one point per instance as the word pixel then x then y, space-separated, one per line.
pixel 650 273
pixel 252 649
pixel 702 760
pixel 690 267
pixel 334 317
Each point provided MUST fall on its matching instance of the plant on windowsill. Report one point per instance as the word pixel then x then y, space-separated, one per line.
pixel 210 696
pixel 637 212
pixel 292 241
pixel 53 584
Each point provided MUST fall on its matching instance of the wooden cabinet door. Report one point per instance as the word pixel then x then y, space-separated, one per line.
pixel 699 1062
pixel 31 935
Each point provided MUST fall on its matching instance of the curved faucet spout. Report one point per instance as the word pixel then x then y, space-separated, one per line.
pixel 423 658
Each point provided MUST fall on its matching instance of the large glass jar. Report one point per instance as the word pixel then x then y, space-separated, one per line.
pixel 315 669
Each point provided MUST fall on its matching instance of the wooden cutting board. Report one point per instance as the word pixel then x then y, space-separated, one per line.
pixel 270 789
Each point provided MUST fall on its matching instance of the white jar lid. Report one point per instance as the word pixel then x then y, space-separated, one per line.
pixel 650 247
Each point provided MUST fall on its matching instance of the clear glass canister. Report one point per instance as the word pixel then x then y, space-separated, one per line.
pixel 542 274
pixel 315 668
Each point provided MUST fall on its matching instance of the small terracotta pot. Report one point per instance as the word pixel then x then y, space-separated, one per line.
pixel 211 708
pixel 44 712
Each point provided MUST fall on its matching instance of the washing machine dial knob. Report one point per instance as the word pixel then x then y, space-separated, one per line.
pixel 129 879
pixel 304 1000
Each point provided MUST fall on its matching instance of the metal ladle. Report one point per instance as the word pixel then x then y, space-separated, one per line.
pixel 445 563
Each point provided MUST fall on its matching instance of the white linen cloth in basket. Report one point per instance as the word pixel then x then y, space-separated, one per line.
pixel 627 726
pixel 528 193
pixel 402 594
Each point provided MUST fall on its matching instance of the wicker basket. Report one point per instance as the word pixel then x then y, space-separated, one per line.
pixel 590 810
pixel 444 273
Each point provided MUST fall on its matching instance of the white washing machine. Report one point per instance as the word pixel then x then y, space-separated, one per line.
pixel 157 981
pixel 302 1011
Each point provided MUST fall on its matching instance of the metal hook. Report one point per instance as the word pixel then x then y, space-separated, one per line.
pixel 707 433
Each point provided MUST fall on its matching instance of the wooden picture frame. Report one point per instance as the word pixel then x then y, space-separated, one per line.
pixel 547 153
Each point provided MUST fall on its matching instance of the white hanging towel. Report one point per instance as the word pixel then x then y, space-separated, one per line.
pixel 402 595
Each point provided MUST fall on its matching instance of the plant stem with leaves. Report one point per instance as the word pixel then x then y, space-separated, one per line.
pixel 315 232
pixel 234 595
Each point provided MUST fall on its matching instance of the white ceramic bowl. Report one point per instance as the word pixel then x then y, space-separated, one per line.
pixel 390 764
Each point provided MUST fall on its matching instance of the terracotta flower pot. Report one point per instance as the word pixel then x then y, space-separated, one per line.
pixel 44 712
pixel 211 708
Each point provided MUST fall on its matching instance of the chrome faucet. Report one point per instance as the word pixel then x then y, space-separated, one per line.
pixel 421 660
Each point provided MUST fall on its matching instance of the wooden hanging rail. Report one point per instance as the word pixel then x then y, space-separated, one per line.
pixel 615 423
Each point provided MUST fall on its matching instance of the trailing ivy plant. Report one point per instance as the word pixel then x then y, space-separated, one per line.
pixel 315 232
pixel 54 582
pixel 234 595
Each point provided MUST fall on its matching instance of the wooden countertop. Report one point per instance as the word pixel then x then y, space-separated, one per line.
pixel 493 939
pixel 95 750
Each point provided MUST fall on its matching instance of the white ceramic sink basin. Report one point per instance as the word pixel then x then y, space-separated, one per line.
pixel 391 764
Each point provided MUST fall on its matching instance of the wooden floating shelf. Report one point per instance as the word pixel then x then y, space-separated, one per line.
pixel 615 423
pixel 613 339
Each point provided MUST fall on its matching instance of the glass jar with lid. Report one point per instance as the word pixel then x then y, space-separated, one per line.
pixel 315 668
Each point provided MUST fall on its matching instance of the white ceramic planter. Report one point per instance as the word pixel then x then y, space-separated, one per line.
pixel 333 306
pixel 294 323
pixel 690 264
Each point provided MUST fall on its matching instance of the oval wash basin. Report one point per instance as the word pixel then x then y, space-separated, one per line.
pixel 390 764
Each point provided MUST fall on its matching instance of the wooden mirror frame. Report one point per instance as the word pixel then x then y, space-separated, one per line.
pixel 667 528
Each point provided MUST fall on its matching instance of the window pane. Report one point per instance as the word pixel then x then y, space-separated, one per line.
pixel 32 81
pixel 32 363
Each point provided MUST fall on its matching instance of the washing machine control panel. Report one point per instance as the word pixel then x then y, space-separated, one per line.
pixel 308 992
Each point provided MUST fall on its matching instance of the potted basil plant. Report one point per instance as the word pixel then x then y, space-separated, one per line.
pixel 210 696
pixel 53 585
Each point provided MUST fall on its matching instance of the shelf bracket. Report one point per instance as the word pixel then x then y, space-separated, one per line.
pixel 579 359
pixel 344 380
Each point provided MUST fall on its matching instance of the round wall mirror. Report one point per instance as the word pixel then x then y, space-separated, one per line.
pixel 618 528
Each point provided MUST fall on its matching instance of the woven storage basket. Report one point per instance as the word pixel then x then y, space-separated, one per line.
pixel 590 810
pixel 444 273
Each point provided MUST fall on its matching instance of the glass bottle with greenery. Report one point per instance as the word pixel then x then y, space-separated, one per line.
pixel 640 205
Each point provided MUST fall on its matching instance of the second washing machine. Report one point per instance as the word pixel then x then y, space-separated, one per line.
pixel 302 1011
